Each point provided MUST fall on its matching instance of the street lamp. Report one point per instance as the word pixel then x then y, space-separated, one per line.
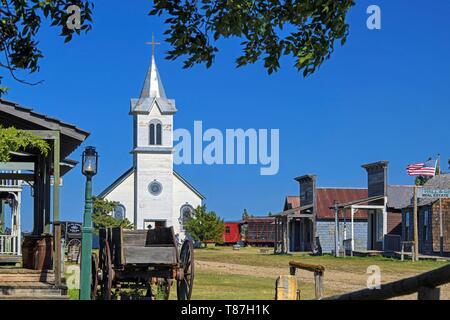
pixel 89 169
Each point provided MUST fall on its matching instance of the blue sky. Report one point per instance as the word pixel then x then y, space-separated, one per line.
pixel 383 96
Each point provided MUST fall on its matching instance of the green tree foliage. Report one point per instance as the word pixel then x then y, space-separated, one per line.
pixel 304 29
pixel 102 218
pixel 20 22
pixel 205 226
pixel 13 140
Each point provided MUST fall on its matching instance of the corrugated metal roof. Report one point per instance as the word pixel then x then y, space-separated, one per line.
pixel 327 196
pixel 291 202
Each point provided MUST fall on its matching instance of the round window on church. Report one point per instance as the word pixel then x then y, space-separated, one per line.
pixel 155 188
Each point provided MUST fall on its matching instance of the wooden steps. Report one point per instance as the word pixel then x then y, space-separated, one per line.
pixel 23 284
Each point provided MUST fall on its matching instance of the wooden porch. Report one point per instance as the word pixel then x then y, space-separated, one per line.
pixel 35 259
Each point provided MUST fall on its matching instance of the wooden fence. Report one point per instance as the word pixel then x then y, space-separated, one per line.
pixel 426 285
pixel 318 271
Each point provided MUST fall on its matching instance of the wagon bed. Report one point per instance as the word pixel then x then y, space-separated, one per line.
pixel 137 257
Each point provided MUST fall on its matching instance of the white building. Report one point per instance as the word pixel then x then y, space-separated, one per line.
pixel 151 192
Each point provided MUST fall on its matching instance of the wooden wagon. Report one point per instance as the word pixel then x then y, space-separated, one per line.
pixel 132 263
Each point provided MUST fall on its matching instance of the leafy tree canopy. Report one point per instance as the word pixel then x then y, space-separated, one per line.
pixel 102 217
pixel 205 226
pixel 13 140
pixel 20 21
pixel 270 29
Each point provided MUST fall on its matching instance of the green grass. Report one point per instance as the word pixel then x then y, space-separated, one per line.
pixel 213 286
pixel 252 257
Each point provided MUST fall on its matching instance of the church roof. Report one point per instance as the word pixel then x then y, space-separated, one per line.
pixel 153 93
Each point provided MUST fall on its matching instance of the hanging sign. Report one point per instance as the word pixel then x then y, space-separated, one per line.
pixel 433 193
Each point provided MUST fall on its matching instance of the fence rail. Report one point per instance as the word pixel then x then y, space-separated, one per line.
pixel 426 285
pixel 318 271
pixel 9 245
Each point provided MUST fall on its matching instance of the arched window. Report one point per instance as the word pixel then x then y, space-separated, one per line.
pixel 119 212
pixel 155 133
pixel 186 213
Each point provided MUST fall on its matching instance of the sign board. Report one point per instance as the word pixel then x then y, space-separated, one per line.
pixel 433 193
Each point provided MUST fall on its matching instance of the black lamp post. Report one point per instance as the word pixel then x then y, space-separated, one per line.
pixel 89 169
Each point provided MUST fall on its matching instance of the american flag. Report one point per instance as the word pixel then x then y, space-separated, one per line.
pixel 427 169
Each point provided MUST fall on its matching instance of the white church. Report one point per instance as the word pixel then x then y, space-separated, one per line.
pixel 151 193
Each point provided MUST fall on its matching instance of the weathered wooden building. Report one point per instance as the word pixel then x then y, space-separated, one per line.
pixel 433 220
pixel 369 218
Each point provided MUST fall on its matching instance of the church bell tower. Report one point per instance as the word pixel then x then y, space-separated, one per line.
pixel 153 153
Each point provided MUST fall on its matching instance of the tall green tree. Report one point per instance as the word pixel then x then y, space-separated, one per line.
pixel 205 226
pixel 20 22
pixel 304 29
pixel 102 217
pixel 13 140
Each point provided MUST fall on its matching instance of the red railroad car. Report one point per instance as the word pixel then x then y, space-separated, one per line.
pixel 232 233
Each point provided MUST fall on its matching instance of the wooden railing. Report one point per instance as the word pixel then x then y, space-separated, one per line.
pixel 318 271
pixel 426 285
pixel 9 245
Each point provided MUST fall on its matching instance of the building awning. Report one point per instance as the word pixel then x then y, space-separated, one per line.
pixel 357 202
pixel 14 115
pixel 296 212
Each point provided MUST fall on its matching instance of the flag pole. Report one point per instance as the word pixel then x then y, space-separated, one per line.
pixel 441 226
pixel 416 228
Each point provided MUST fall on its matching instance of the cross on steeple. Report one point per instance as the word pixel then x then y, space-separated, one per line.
pixel 153 43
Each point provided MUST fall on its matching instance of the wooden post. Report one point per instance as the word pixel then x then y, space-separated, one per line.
pixel 56 223
pixel 426 293
pixel 57 257
pixel 441 230
pixel 403 251
pixel 2 216
pixel 318 281
pixel 416 227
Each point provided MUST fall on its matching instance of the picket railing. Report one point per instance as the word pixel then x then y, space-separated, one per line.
pixel 9 245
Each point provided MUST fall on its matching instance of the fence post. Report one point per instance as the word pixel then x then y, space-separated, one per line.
pixel 425 293
pixel 318 280
pixel 403 252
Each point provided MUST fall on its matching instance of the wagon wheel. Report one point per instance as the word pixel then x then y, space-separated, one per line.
pixel 94 276
pixel 184 285
pixel 107 272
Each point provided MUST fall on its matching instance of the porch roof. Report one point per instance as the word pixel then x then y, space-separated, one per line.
pixel 363 201
pixel 20 117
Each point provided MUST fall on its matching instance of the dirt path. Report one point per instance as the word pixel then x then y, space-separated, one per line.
pixel 334 281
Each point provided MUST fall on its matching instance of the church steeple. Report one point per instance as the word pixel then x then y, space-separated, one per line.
pixel 153 92
pixel 153 87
